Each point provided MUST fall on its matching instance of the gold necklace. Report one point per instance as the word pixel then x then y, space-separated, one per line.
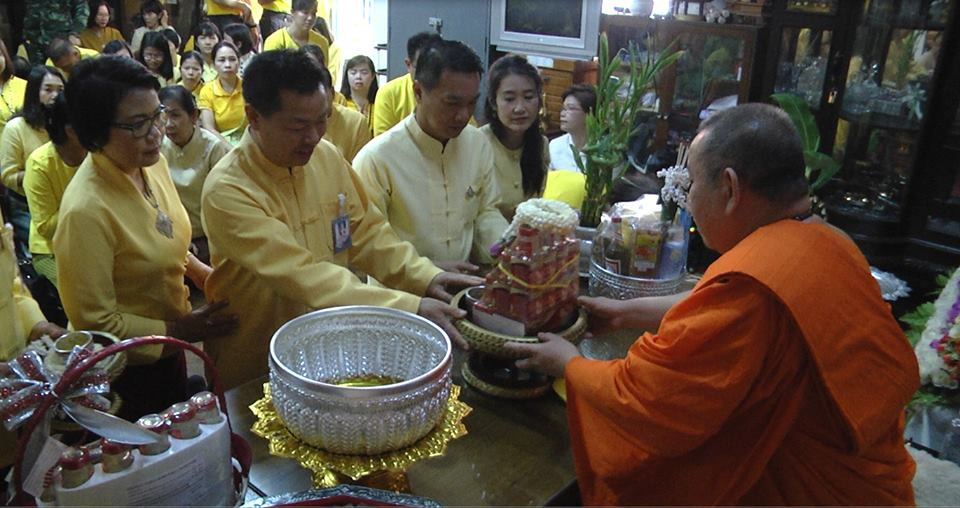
pixel 163 223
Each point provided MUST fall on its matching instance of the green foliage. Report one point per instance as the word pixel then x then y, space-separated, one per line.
pixel 820 166
pixel 917 320
pixel 611 124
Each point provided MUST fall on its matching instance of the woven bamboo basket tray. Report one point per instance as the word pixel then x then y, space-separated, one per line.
pixel 489 342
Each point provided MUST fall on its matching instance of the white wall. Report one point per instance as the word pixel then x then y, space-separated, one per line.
pixel 358 26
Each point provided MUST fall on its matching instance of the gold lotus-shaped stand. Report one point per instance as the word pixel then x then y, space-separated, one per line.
pixel 384 471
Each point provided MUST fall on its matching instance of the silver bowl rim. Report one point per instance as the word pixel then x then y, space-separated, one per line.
pixel 438 371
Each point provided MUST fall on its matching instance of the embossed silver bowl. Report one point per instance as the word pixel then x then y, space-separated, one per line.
pixel 319 361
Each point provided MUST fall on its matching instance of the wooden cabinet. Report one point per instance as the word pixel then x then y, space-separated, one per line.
pixel 556 79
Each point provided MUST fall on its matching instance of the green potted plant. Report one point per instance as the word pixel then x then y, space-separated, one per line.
pixel 612 122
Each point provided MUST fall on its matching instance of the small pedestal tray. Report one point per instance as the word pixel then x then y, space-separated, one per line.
pixel 490 368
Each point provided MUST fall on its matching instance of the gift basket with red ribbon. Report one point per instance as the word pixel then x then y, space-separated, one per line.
pixel 132 464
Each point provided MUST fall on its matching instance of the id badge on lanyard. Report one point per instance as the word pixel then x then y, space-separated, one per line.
pixel 341 227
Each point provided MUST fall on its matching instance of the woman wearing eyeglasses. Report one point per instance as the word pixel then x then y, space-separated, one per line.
pixel 122 242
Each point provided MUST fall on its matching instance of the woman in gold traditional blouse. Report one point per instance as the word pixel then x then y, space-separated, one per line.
pixel 122 241
pixel 12 88
pixel 513 112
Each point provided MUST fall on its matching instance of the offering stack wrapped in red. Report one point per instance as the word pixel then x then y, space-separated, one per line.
pixel 535 280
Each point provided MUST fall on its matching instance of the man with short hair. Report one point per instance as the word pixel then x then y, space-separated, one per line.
pixel 64 55
pixel 432 175
pixel 299 32
pixel 286 219
pixel 347 129
pixel 780 379
pixel 396 100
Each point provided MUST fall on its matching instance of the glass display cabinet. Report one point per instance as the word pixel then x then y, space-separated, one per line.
pixel 714 71
pixel 874 73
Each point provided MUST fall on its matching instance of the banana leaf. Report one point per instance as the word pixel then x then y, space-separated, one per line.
pixel 802 117
pixel 822 165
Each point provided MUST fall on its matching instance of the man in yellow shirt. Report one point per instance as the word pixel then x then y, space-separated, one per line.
pixel 286 217
pixel 396 100
pixel 300 31
pixel 63 55
pixel 347 129
pixel 432 175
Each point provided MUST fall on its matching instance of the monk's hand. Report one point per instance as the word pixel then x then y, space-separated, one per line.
pixel 550 356
pixel 604 314
pixel 457 266
pixel 203 323
pixel 443 315
pixel 446 283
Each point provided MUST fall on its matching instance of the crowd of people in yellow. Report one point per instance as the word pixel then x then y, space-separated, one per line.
pixel 232 162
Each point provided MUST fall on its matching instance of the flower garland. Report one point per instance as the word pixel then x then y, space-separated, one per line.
pixel 938 349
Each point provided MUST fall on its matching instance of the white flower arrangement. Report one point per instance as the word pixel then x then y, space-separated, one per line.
pixel 676 183
pixel 938 350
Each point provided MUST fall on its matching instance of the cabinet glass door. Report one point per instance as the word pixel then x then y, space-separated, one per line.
pixel 802 62
pixel 708 78
pixel 888 81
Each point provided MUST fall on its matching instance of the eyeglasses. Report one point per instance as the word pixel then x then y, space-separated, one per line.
pixel 141 129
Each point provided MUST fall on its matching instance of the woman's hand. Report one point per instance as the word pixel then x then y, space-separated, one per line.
pixel 203 323
pixel 457 266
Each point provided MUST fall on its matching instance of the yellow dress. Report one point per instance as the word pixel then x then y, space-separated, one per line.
pixel 117 271
pixel 11 98
pixel 506 164
pixel 94 39
pixel 271 243
pixel 189 167
pixel 18 141
pixel 44 183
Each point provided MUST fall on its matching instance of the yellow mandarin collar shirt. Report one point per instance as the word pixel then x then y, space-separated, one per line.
pixel 348 130
pixel 506 162
pixel 44 183
pixel 189 167
pixel 17 142
pixel 442 199
pixel 117 273
pixel 395 101
pixel 271 243
pixel 227 108
pixel 11 98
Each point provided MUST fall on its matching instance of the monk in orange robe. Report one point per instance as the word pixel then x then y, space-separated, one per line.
pixel 781 378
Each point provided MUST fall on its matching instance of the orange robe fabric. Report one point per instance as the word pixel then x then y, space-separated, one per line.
pixel 781 379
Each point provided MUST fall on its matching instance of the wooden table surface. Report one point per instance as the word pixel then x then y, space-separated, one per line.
pixel 515 452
